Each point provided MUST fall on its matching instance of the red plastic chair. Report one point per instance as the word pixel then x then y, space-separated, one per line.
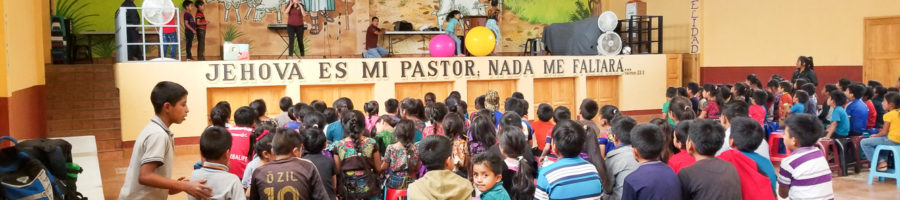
pixel 775 141
pixel 394 194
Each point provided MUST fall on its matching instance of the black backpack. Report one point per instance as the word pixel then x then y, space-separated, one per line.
pixel 56 156
pixel 358 185
pixel 403 26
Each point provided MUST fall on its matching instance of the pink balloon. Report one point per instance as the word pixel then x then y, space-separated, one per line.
pixel 442 46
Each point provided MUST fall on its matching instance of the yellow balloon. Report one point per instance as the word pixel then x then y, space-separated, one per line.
pixel 480 41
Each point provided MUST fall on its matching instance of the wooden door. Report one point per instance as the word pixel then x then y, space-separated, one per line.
pixel 881 50
pixel 674 70
pixel 242 96
pixel 556 92
pixel 603 89
pixel 418 90
pixel 477 88
pixel 359 94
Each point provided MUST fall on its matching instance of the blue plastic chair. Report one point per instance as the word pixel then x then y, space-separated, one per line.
pixel 890 173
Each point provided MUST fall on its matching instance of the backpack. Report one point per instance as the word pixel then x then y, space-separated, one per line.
pixel 357 178
pixel 25 177
pixel 403 26
pixel 56 156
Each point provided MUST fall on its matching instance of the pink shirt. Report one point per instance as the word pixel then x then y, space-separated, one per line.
pixel 240 145
pixel 758 113
pixel 370 122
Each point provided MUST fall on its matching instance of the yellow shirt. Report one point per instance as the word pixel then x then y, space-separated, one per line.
pixel 893 117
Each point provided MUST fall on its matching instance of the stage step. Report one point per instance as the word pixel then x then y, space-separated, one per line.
pixel 84 100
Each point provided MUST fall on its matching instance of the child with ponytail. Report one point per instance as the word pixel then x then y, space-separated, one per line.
pixel 400 158
pixel 518 177
pixel 435 113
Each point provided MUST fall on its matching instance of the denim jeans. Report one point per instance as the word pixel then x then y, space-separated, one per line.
pixel 868 146
pixel 170 50
pixel 376 52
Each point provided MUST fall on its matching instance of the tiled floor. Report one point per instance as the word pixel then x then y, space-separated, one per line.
pixel 849 187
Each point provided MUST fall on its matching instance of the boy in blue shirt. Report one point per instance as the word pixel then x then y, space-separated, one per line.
pixel 840 122
pixel 857 109
pixel 800 99
pixel 653 179
pixel 570 176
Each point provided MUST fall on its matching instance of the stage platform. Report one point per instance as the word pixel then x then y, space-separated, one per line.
pixel 634 83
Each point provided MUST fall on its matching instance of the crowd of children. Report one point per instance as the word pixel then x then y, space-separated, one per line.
pixel 435 150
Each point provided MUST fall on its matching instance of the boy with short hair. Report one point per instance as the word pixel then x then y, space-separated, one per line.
pixel 800 99
pixel 543 127
pixel 288 174
pixel 756 173
pixel 805 173
pixel 694 91
pixel 839 126
pixel 857 110
pixel 147 176
pixel 285 103
pixel 201 29
pixel 439 182
pixel 696 181
pixel 244 123
pixel 215 145
pixel 620 161
pixel 670 92
pixel 315 142
pixel 571 176
pixel 190 27
pixel 653 179
pixel 488 172
pixel 732 110
pixel 391 106
pixel 786 101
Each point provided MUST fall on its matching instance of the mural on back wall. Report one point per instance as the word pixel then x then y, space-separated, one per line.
pixel 337 27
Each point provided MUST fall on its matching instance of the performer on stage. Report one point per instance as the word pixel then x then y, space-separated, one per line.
pixel 132 18
pixel 493 21
pixel 295 12
pixel 453 23
pixel 372 34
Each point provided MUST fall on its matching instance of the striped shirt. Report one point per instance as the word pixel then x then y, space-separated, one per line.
pixel 807 175
pixel 568 178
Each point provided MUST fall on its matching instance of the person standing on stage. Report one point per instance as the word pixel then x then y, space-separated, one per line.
pixel 132 18
pixel 372 48
pixel 493 21
pixel 201 29
pixel 295 12
pixel 190 27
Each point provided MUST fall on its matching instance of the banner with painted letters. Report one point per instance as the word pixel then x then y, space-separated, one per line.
pixel 326 71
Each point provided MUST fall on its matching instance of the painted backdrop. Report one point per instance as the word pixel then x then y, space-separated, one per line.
pixel 336 27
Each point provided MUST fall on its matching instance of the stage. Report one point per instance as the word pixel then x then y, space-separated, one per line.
pixel 634 83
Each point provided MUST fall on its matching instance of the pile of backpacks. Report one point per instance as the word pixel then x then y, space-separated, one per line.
pixel 38 169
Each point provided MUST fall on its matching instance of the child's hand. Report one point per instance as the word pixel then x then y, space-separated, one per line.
pixel 196 188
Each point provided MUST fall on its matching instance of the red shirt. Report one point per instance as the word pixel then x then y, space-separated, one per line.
pixel 371 37
pixel 170 29
pixel 295 17
pixel 681 160
pixel 200 20
pixel 754 185
pixel 872 114
pixel 786 102
pixel 542 130
pixel 240 145
pixel 758 113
